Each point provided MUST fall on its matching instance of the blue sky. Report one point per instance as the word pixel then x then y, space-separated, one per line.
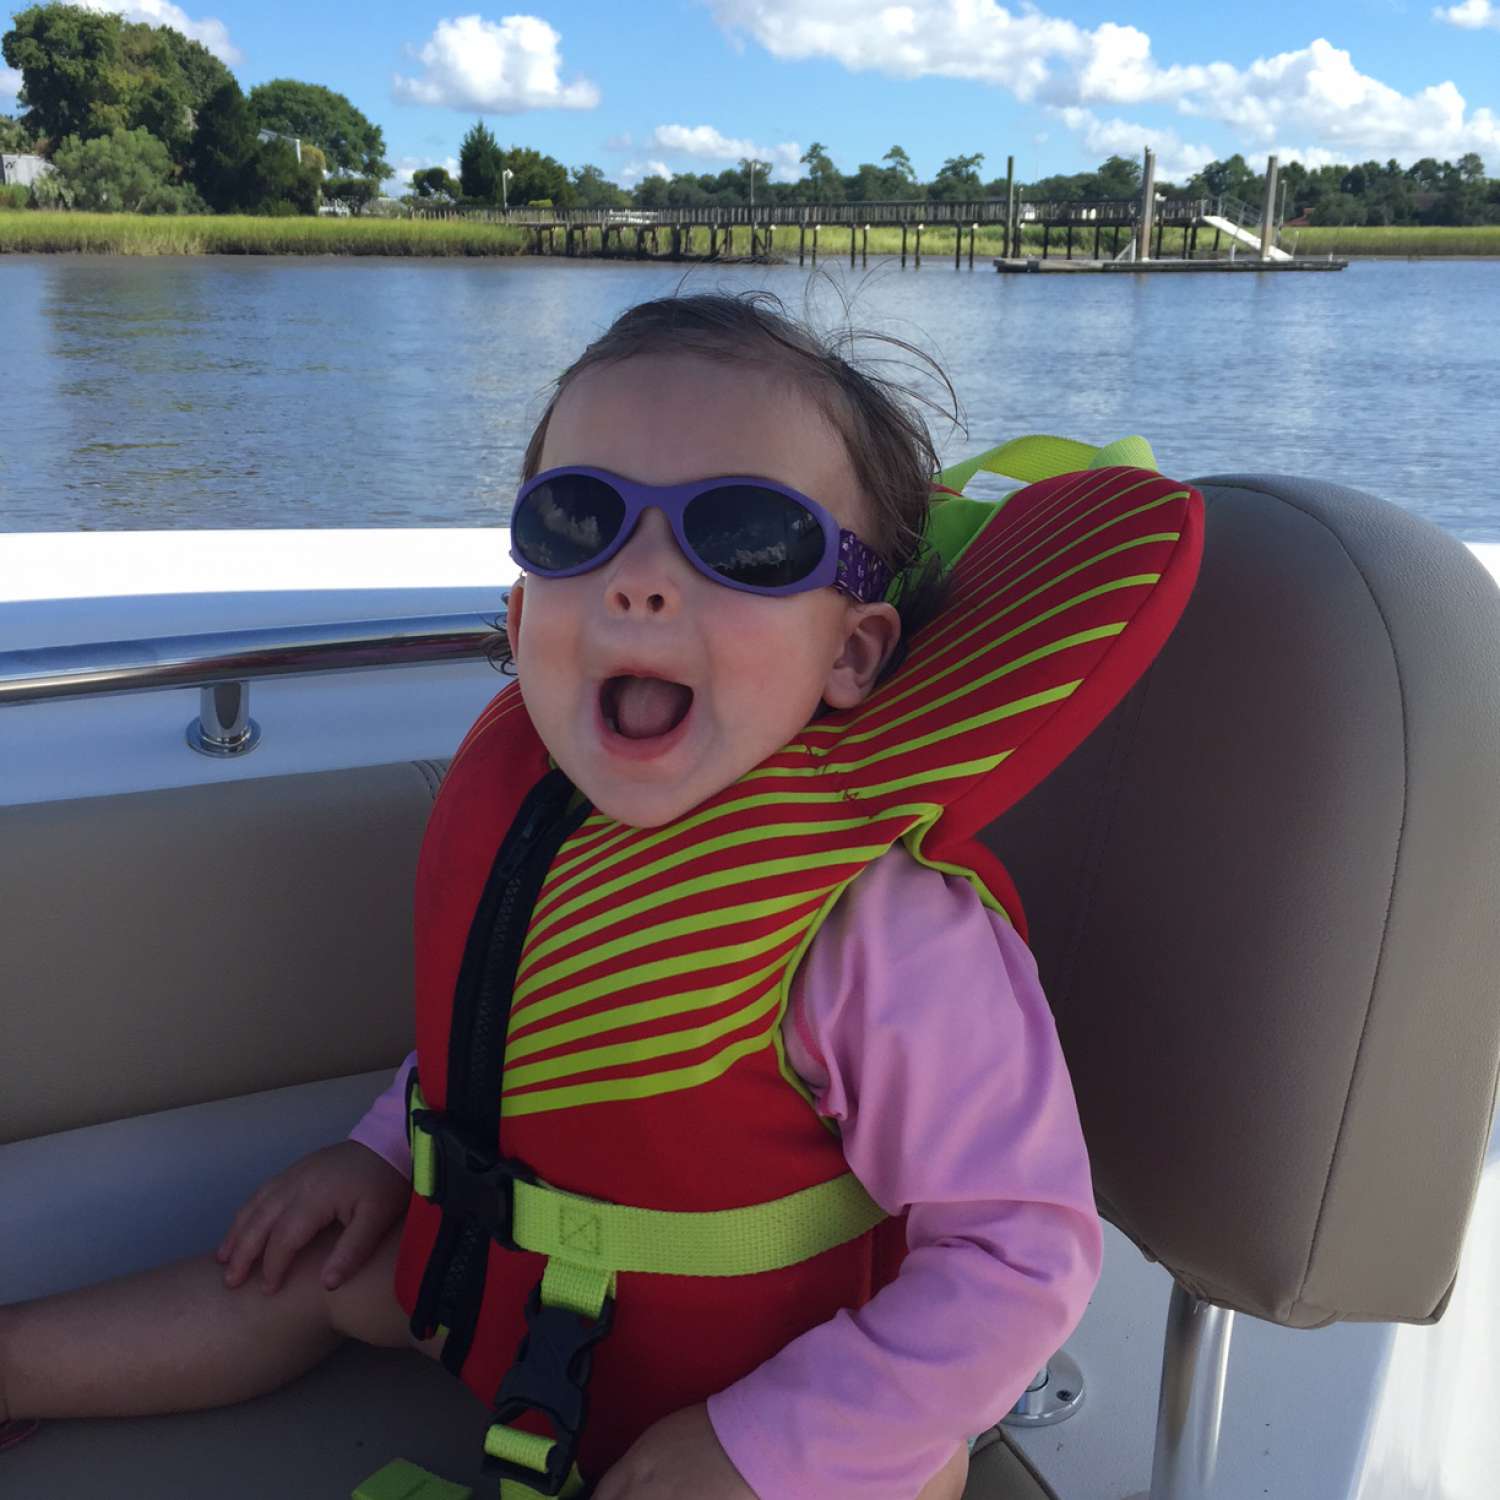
pixel 694 84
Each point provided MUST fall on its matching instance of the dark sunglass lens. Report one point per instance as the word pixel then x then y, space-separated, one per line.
pixel 566 521
pixel 754 536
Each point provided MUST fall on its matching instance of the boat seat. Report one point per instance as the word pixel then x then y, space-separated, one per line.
pixel 1260 895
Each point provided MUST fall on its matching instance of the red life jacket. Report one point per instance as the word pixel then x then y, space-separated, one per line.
pixel 638 1020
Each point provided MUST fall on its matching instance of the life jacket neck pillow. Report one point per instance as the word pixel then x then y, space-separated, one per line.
pixel 622 1199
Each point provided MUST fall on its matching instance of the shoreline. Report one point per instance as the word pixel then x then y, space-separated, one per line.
pixel 30 232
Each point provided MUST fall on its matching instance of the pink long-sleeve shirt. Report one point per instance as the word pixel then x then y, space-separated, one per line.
pixel 918 1023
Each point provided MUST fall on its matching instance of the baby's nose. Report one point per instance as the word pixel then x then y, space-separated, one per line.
pixel 644 576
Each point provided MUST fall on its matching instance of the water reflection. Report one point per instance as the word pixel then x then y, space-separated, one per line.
pixel 226 393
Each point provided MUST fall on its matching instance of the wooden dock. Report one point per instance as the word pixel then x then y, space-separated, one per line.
pixel 1026 264
pixel 1108 234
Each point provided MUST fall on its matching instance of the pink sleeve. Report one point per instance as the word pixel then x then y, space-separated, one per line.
pixel 383 1128
pixel 919 1024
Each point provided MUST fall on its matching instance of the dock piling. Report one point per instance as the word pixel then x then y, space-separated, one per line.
pixel 1148 205
pixel 1268 212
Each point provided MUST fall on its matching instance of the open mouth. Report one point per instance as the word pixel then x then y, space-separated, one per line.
pixel 644 708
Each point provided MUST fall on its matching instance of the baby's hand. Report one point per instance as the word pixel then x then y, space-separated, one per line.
pixel 348 1183
pixel 678 1458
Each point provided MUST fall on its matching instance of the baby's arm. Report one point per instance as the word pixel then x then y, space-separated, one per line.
pixel 361 1183
pixel 928 1039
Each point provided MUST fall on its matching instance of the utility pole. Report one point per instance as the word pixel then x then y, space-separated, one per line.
pixel 752 182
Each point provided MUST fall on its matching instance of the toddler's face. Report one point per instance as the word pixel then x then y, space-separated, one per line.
pixel 653 686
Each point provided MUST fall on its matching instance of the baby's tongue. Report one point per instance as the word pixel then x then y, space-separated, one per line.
pixel 647 706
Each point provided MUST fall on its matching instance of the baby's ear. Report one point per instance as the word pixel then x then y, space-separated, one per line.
pixel 874 630
pixel 513 616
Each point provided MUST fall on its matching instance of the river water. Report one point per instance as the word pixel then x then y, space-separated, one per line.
pixel 224 392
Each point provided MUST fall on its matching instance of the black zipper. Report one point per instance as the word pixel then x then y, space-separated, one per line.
pixel 453 1282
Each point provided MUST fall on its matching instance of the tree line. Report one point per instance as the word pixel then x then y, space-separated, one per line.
pixel 1427 192
pixel 134 116
pixel 140 118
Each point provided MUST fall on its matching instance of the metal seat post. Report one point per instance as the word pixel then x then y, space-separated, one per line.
pixel 1194 1362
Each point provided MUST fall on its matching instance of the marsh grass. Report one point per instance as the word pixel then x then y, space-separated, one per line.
pixel 230 234
pixel 1398 239
pixel 135 234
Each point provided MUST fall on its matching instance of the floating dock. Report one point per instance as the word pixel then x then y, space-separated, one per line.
pixel 1023 265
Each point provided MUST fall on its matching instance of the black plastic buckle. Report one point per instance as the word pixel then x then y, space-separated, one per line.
pixel 472 1181
pixel 550 1376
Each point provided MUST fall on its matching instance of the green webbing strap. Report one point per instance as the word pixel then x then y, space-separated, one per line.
pixel 608 1237
pixel 531 1451
pixel 1040 457
pixel 588 1242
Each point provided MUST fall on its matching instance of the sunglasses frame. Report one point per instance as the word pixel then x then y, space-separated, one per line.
pixel 848 564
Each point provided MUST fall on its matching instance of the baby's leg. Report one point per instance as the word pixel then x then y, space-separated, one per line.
pixel 948 1483
pixel 175 1339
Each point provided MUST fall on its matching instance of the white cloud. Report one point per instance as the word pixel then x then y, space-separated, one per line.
pixel 1314 92
pixel 496 67
pixel 705 143
pixel 214 34
pixel 634 171
pixel 1176 160
pixel 1471 15
pixel 10 83
pixel 406 165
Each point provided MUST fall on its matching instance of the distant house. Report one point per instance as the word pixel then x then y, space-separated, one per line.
pixel 295 142
pixel 22 171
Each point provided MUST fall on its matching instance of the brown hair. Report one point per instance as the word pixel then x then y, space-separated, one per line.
pixel 881 422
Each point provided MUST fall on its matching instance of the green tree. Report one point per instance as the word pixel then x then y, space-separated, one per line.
pixel 1337 208
pixel 824 178
pixel 479 165
pixel 277 183
pixel 14 136
pixel 535 176
pixel 957 179
pixel 354 146
pixel 1117 177
pixel 223 151
pixel 592 189
pixel 900 163
pixel 72 78
pixel 1232 178
pixel 878 184
pixel 128 171
pixel 355 193
pixel 435 182
pixel 166 80
pixel 88 73
pixel 653 192
pixel 201 72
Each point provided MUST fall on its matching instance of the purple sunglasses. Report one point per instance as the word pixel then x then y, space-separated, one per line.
pixel 749 534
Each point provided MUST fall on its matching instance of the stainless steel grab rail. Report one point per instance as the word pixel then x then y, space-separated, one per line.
pixel 223 663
